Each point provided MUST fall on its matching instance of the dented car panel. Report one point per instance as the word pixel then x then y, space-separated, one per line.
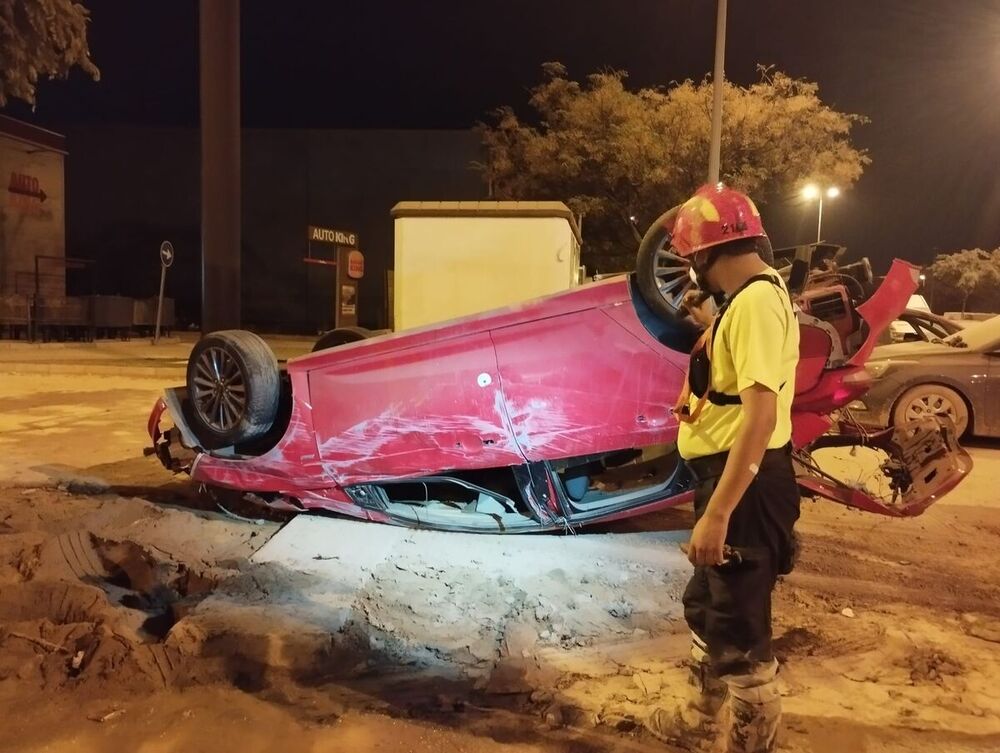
pixel 413 412
pixel 544 415
pixel 566 397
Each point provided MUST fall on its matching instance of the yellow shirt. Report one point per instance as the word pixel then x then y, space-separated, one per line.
pixel 757 342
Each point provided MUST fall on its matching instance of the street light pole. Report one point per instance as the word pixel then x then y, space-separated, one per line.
pixel 718 83
pixel 811 192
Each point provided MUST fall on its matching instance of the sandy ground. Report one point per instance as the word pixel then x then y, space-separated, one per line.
pixel 134 616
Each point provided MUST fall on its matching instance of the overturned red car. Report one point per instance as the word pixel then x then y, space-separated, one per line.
pixel 552 414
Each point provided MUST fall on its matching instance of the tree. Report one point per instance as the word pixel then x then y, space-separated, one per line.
pixel 967 272
pixel 41 39
pixel 614 154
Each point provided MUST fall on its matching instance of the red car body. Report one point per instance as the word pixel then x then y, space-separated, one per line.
pixel 528 391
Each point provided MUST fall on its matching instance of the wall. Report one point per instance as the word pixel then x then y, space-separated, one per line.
pixel 131 188
pixel 32 217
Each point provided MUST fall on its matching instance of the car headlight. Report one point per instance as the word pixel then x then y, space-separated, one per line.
pixel 877 368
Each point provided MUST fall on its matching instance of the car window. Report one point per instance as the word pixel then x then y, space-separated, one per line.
pixel 930 330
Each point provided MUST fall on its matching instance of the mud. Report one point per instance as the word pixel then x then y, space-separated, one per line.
pixel 133 618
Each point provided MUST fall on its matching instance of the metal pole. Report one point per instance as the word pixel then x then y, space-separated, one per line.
pixel 718 82
pixel 219 37
pixel 159 304
pixel 819 224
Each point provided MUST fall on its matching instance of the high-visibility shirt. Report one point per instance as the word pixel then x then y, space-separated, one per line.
pixel 757 342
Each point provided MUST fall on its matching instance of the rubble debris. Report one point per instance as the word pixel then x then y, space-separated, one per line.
pixel 81 485
pixel 554 717
pixel 932 665
pixel 107 717
pixel 648 683
pixel 984 628
pixel 540 696
pixel 47 645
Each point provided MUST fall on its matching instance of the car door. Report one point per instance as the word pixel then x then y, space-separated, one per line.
pixel 581 383
pixel 990 425
pixel 422 410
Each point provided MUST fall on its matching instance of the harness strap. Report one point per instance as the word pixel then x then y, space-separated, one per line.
pixel 682 411
pixel 721 398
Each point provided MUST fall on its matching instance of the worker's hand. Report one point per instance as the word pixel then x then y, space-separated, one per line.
pixel 708 540
pixel 702 313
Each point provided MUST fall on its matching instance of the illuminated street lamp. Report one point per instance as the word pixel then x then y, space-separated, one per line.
pixel 812 192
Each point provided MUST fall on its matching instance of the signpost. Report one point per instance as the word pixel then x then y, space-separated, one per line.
pixel 166 259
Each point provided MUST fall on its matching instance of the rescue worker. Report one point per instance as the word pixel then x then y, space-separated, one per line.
pixel 735 433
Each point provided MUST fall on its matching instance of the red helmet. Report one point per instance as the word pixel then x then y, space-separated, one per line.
pixel 714 215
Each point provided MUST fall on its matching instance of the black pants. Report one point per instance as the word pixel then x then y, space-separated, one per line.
pixel 729 606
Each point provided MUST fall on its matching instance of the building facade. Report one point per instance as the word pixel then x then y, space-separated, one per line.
pixel 33 211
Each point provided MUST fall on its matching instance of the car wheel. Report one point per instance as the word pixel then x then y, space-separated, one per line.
pixel 662 276
pixel 233 387
pixel 932 400
pixel 341 336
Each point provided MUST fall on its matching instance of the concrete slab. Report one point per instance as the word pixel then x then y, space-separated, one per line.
pixel 335 548
pixel 323 592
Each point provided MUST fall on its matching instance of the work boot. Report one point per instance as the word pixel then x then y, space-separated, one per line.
pixel 692 723
pixel 755 711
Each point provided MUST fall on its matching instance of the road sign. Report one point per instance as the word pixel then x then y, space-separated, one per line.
pixel 166 259
pixel 166 253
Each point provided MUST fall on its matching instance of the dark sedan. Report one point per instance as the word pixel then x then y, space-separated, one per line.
pixel 957 377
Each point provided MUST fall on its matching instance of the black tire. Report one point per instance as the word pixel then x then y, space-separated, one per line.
pixel 661 276
pixel 341 336
pixel 233 388
pixel 933 400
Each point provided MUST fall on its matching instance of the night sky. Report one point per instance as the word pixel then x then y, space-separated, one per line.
pixel 927 73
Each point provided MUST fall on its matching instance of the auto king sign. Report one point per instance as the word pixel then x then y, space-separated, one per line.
pixel 332 235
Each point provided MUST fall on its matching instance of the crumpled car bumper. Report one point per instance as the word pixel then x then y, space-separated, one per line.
pixel 923 463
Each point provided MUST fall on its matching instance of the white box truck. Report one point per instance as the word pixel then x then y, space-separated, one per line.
pixel 455 258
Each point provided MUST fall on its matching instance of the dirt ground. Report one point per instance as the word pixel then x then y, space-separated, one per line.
pixel 133 618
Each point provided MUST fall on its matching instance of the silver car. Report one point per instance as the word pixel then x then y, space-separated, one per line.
pixel 957 376
pixel 914 325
